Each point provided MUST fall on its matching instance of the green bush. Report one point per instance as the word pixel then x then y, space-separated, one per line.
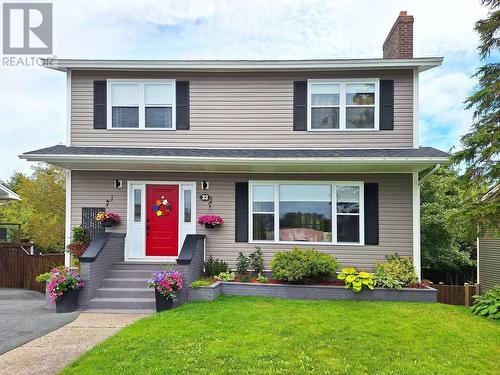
pixel 488 304
pixel 399 268
pixel 242 264
pixel 303 266
pixel 79 235
pixel 226 276
pixel 383 280
pixel 213 267
pixel 201 283
pixel 256 261
pixel 261 279
pixel 356 280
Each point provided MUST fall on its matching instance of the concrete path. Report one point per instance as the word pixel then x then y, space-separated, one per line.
pixel 24 317
pixel 52 352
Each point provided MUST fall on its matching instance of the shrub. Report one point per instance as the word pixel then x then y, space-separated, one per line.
pixel 43 277
pixel 213 267
pixel 261 279
pixel 303 266
pixel 256 261
pixel 488 304
pixel 242 264
pixel 226 276
pixel 356 280
pixel 244 279
pixel 384 280
pixel 201 283
pixel 399 268
pixel 79 235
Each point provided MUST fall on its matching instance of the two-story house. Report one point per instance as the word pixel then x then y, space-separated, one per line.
pixel 290 153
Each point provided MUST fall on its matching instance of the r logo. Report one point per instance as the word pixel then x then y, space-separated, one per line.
pixel 27 28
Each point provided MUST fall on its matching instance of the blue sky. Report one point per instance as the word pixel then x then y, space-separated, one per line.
pixel 32 100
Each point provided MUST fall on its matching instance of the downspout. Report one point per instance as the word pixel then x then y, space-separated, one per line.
pixel 429 174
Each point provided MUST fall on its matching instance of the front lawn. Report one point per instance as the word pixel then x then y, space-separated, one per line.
pixel 250 335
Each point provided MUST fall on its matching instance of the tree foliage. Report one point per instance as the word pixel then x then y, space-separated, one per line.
pixel 480 155
pixel 447 239
pixel 41 210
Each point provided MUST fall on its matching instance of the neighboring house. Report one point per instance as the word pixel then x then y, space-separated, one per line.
pixel 488 251
pixel 7 195
pixel 292 153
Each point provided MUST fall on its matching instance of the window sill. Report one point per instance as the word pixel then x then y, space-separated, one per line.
pixel 139 129
pixel 343 130
pixel 307 243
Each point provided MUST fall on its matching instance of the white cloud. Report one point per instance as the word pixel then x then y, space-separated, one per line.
pixel 32 101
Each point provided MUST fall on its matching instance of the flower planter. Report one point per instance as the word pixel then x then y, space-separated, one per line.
pixel 108 223
pixel 68 301
pixel 163 303
pixel 210 226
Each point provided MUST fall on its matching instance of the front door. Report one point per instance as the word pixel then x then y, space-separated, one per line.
pixel 162 220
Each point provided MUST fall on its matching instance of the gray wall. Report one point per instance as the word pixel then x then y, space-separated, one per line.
pixel 489 262
pixel 241 110
pixel 91 189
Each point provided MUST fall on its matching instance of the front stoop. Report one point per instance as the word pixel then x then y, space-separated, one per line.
pixel 126 290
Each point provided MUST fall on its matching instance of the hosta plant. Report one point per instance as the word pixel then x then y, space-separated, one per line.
pixel 488 304
pixel 225 276
pixel 384 280
pixel 356 280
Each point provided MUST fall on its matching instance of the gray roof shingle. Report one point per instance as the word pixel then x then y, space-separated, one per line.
pixel 422 152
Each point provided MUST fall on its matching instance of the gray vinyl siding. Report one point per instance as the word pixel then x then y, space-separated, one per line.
pixel 489 262
pixel 241 110
pixel 92 189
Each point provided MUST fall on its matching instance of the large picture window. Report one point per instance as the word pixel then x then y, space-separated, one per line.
pixel 323 212
pixel 145 104
pixel 343 105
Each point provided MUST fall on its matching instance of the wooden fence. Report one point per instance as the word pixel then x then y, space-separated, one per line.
pixel 456 294
pixel 18 268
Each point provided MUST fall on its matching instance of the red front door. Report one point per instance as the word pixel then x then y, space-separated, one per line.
pixel 162 220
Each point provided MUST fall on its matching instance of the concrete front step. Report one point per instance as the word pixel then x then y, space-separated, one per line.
pixel 122 303
pixel 147 266
pixel 125 283
pixel 120 311
pixel 131 274
pixel 125 293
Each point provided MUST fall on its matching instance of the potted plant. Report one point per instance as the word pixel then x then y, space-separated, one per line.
pixel 210 221
pixel 166 285
pixel 79 243
pixel 63 287
pixel 107 219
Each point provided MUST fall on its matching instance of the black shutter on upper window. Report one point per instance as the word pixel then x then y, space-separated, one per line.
pixel 182 105
pixel 100 102
pixel 241 211
pixel 386 105
pixel 300 105
pixel 371 214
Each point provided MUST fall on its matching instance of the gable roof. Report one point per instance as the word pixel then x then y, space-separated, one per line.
pixel 8 195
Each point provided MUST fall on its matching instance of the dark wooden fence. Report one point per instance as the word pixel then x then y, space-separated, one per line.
pixel 456 294
pixel 18 268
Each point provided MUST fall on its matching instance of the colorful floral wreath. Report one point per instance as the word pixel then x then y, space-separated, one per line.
pixel 162 207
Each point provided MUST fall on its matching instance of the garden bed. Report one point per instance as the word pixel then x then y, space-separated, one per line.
pixel 310 292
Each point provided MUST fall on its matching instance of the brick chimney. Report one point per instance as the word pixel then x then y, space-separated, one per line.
pixel 399 42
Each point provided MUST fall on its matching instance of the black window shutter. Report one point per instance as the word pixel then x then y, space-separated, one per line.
pixel 182 105
pixel 100 112
pixel 241 212
pixel 386 105
pixel 371 214
pixel 300 105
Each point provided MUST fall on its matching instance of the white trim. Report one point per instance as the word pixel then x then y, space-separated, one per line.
pixel 67 237
pixel 415 109
pixel 141 103
pixel 68 107
pixel 416 225
pixel 422 63
pixel 183 230
pixel 342 82
pixel 477 261
pixel 8 195
pixel 333 184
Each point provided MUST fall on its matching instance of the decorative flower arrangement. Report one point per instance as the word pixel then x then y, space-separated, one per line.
pixel 107 219
pixel 61 280
pixel 162 207
pixel 166 283
pixel 210 221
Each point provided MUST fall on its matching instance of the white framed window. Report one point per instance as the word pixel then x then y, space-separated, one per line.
pixel 340 105
pixel 141 104
pixel 321 212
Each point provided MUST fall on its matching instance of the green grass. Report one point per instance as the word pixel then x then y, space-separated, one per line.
pixel 247 335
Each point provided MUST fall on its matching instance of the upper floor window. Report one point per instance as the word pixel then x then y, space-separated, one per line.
pixel 147 104
pixel 343 105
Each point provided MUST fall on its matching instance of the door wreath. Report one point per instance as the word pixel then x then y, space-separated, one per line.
pixel 162 207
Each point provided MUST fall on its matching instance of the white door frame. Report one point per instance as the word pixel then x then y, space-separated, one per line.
pixel 183 229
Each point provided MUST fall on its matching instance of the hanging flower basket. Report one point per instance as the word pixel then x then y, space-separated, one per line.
pixel 107 219
pixel 210 221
